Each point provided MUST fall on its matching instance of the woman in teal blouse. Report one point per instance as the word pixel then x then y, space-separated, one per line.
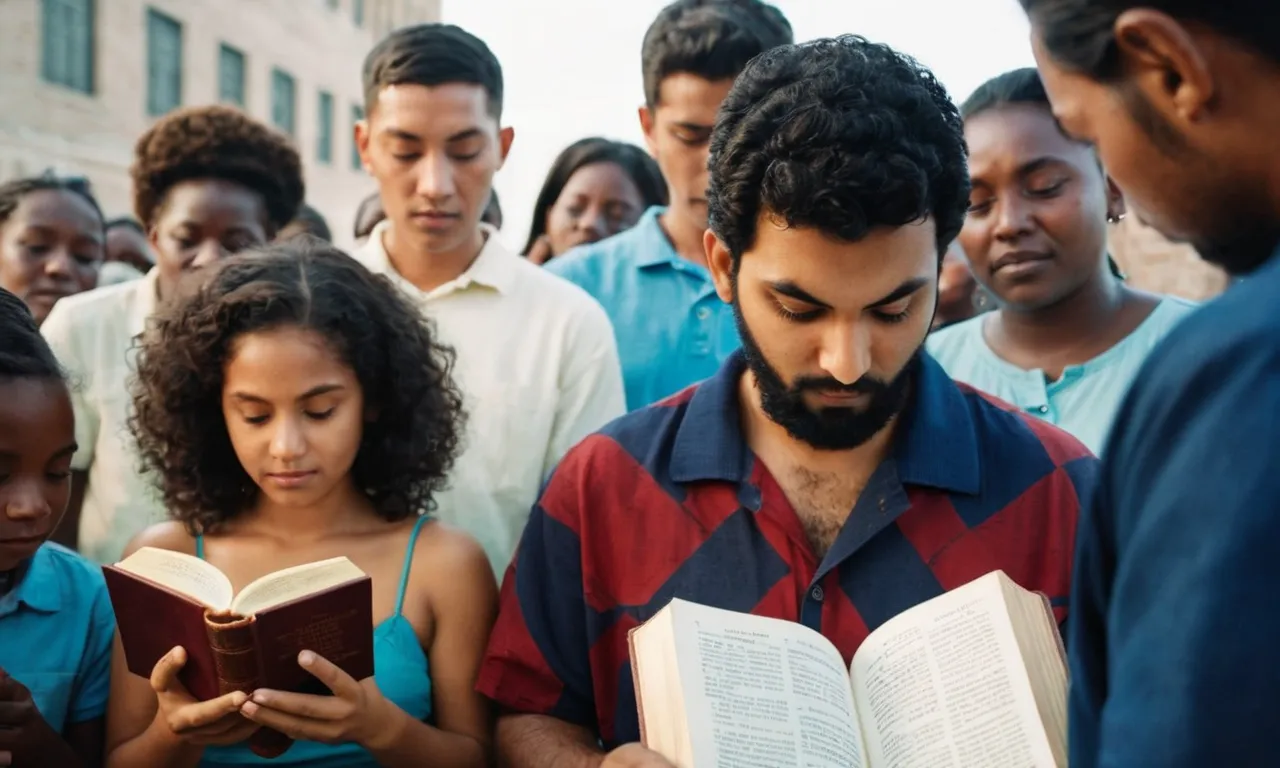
pixel 1069 336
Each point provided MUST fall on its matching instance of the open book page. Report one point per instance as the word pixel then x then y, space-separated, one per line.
pixel 944 685
pixel 292 583
pixel 763 693
pixel 182 573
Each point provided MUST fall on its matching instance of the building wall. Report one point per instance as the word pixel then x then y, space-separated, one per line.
pixel 1154 264
pixel 316 41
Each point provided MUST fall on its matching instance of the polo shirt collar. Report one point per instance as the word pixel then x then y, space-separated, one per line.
pixel 937 442
pixel 652 244
pixel 490 269
pixel 37 589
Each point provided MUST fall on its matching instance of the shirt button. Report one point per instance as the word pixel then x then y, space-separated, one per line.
pixel 1042 409
pixel 816 594
pixel 703 313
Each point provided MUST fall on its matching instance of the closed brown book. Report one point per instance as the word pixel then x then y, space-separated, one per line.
pixel 246 641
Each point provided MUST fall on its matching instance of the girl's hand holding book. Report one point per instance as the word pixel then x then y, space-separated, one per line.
pixel 204 723
pixel 356 712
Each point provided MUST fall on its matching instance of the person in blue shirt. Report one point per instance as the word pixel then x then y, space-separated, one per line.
pixel 1174 633
pixel 1069 335
pixel 595 189
pixel 652 279
pixel 294 409
pixel 56 622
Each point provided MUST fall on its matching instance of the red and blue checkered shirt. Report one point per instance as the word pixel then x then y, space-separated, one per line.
pixel 669 501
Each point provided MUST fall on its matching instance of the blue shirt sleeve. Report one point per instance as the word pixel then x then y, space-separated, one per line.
pixel 93 677
pixel 1174 631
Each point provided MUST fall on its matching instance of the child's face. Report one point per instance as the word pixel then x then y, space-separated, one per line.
pixel 295 414
pixel 37 439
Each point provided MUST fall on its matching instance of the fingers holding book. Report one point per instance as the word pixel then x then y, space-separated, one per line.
pixel 356 712
pixel 214 722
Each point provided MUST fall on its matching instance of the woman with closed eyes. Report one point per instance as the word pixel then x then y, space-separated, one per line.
pixel 1068 335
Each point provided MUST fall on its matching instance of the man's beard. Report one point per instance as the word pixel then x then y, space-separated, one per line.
pixel 1242 251
pixel 828 429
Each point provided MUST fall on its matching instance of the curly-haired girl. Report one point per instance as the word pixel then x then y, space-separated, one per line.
pixel 208 182
pixel 296 408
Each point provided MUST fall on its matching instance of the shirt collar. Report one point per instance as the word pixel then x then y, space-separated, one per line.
pixel 36 589
pixel 148 298
pixel 937 442
pixel 491 268
pixel 654 246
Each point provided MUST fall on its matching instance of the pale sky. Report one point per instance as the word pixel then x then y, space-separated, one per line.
pixel 572 67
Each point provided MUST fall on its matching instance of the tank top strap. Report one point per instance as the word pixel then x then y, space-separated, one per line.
pixel 200 545
pixel 408 561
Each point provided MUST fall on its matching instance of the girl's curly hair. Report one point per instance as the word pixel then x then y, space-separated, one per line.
pixel 405 452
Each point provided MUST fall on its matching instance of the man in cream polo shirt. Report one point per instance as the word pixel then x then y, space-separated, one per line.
pixel 537 363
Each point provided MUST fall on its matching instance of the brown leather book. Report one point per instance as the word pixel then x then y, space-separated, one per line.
pixel 246 641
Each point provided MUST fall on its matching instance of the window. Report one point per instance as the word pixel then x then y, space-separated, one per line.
pixel 66 51
pixel 324 130
pixel 282 100
pixel 230 75
pixel 357 12
pixel 357 114
pixel 164 63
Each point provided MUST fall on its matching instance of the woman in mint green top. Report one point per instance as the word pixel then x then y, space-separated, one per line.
pixel 297 408
pixel 1068 336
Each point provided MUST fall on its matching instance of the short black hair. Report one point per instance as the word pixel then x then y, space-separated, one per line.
pixel 405 451
pixel 1080 33
pixel 713 39
pixel 432 54
pixel 1017 86
pixel 635 162
pixel 308 221
pixel 12 192
pixel 839 134
pixel 127 222
pixel 24 354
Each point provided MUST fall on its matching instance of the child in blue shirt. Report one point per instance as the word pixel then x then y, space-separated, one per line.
pixel 56 623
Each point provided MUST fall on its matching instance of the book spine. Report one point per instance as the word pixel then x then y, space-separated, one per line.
pixel 235 659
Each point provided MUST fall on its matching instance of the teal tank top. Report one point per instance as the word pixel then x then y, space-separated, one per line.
pixel 400 670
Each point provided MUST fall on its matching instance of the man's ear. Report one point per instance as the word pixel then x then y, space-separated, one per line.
pixel 506 137
pixel 720 263
pixel 647 125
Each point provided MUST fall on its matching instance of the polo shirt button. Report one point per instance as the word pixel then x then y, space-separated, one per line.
pixel 1042 409
pixel 703 313
pixel 817 594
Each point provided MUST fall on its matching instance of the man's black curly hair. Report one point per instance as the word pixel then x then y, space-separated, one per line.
pixel 405 451
pixel 842 135
pixel 216 142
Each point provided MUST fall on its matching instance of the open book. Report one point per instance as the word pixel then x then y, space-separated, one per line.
pixel 974 677
pixel 245 641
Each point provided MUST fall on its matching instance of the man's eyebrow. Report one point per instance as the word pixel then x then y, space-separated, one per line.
pixel 398 133
pixel 693 126
pixel 788 288
pixel 901 292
